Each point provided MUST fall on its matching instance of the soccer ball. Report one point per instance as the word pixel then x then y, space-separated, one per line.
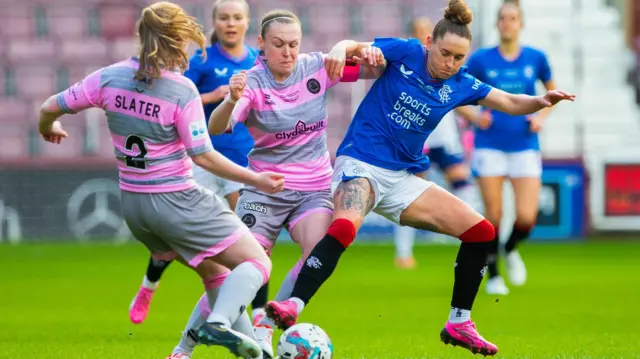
pixel 304 341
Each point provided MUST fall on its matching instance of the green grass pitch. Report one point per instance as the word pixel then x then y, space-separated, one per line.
pixel 70 302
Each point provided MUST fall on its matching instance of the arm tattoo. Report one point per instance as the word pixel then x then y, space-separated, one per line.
pixel 355 196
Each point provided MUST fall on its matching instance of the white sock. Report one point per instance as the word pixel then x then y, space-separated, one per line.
pixel 197 318
pixel 267 322
pixel 257 312
pixel 146 283
pixel 404 239
pixel 299 303
pixel 186 344
pixel 244 325
pixel 459 315
pixel 236 293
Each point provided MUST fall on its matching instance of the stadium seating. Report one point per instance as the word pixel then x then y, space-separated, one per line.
pixel 46 45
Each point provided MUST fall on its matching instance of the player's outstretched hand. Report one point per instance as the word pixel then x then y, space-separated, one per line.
pixel 554 96
pixel 270 182
pixel 54 133
pixel 371 56
pixel 237 83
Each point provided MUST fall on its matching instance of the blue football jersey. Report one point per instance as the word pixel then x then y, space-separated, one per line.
pixel 509 133
pixel 208 75
pixel 404 106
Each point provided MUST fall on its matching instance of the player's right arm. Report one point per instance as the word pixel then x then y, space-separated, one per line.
pixel 191 129
pixel 234 108
pixel 81 96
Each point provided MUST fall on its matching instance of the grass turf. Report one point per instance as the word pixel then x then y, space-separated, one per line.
pixel 70 302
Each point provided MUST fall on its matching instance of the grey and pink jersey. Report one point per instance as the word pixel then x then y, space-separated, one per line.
pixel 155 129
pixel 288 122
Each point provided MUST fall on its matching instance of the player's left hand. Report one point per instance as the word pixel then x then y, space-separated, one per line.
pixel 371 56
pixel 334 62
pixel 554 96
pixel 535 123
pixel 54 133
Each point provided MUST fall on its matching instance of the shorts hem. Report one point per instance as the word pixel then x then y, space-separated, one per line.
pixel 218 247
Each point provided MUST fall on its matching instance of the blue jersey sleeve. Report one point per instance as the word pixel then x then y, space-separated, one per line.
pixel 394 49
pixel 474 89
pixel 474 67
pixel 195 70
pixel 544 70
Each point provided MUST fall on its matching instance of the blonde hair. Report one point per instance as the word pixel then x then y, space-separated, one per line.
pixel 165 29
pixel 457 17
pixel 213 38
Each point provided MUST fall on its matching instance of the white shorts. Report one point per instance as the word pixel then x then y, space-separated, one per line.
pixel 493 163
pixel 220 186
pixel 394 190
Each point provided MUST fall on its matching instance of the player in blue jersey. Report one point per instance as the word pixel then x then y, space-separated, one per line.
pixel 506 146
pixel 444 148
pixel 226 55
pixel 382 151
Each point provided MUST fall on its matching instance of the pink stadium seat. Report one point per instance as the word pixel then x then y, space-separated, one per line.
pixel 382 20
pixel 118 21
pixel 23 51
pixel 311 44
pixel 15 141
pixel 13 111
pixel 67 22
pixel 72 146
pixel 36 81
pixel 330 21
pixel 121 49
pixel 16 21
pixel 87 51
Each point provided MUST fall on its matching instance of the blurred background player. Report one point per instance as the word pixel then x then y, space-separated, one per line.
pixel 444 149
pixel 158 129
pixel 226 55
pixel 382 151
pixel 507 146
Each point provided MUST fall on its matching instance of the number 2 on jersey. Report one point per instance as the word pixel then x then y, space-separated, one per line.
pixel 139 160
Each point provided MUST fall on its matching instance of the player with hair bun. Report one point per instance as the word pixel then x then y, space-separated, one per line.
pixel 444 148
pixel 381 152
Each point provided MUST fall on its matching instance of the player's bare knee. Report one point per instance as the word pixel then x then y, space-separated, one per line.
pixel 208 269
pixel 493 214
